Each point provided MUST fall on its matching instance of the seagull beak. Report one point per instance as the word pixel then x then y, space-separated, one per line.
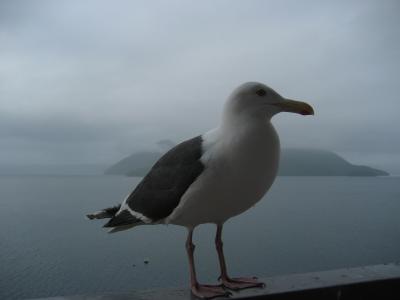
pixel 296 107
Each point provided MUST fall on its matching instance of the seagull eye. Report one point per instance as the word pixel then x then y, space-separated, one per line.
pixel 261 92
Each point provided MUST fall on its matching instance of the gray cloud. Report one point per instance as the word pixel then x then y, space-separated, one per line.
pixel 91 81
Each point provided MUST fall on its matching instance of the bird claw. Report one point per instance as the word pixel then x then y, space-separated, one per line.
pixel 205 291
pixel 241 283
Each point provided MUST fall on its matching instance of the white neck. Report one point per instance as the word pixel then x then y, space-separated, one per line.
pixel 232 121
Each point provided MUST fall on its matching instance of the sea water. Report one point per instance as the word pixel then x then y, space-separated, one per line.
pixel 48 248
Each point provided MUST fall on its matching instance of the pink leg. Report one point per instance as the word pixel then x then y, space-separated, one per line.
pixel 232 283
pixel 202 291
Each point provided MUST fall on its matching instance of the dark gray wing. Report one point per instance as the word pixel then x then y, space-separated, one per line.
pixel 161 189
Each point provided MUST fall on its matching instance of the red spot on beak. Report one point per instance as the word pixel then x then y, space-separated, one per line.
pixel 305 112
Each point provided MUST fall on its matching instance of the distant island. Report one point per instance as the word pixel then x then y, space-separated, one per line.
pixel 294 162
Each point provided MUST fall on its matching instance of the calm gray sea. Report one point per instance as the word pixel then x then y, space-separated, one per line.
pixel 48 248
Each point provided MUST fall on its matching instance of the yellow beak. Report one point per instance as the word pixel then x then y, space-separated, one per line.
pixel 296 107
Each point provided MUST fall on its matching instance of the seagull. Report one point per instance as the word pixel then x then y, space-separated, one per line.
pixel 212 177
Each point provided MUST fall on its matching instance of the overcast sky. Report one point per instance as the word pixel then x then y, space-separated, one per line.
pixel 93 81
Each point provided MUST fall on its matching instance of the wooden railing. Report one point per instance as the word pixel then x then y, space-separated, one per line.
pixel 380 282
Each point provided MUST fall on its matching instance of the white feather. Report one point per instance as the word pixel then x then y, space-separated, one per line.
pixel 241 162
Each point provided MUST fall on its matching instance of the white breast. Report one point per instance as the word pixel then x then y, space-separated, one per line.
pixel 240 166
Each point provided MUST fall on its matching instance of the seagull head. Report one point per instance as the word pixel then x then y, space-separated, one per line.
pixel 256 100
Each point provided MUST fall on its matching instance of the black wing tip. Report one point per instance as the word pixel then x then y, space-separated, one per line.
pixel 90 216
pixel 122 219
pixel 104 213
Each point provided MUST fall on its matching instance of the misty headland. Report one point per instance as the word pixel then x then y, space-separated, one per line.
pixel 294 162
